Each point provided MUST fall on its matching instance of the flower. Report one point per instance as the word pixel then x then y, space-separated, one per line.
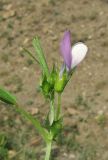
pixel 72 56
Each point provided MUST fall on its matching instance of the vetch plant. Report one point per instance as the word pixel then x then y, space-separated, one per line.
pixel 52 82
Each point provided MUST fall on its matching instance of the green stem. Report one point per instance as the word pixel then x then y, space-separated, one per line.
pixel 52 112
pixel 48 150
pixel 58 107
pixel 34 121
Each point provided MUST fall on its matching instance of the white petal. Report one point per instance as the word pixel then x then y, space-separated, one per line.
pixel 78 52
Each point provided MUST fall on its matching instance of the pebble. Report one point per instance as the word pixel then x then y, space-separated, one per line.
pixel 33 110
pixel 7 7
pixel 8 14
pixel 11 153
pixel 90 37
pixel 26 40
pixel 25 68
pixel 72 111
pixel 72 156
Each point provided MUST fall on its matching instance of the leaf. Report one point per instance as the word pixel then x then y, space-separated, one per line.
pixel 7 97
pixel 56 127
pixel 30 54
pixel 43 132
pixel 53 76
pixel 2 140
pixel 41 57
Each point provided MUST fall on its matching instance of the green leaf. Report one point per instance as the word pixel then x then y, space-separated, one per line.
pixel 53 76
pixel 41 57
pixel 2 140
pixel 42 131
pixel 56 128
pixel 30 54
pixel 7 97
pixel 45 87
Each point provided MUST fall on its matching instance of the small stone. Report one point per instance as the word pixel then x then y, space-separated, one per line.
pixel 65 154
pixel 72 156
pixel 72 111
pixel 33 110
pixel 101 13
pixel 26 40
pixel 11 153
pixel 90 74
pixel 25 68
pixel 54 38
pixel 90 37
pixel 100 112
pixel 8 7
pixel 10 13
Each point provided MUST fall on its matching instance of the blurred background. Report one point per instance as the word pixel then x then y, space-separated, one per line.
pixel 85 101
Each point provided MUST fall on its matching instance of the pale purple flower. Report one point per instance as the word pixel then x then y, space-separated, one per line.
pixel 72 56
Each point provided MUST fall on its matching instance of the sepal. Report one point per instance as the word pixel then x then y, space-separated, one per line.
pixel 61 81
pixel 56 127
pixel 47 85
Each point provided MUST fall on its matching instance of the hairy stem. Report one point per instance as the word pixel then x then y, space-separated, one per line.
pixel 52 112
pixel 48 150
pixel 58 107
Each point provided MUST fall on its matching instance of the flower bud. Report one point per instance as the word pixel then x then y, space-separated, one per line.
pixel 45 87
pixel 56 128
pixel 53 76
pixel 61 81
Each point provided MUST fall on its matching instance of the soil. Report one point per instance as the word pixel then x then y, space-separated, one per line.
pixel 85 100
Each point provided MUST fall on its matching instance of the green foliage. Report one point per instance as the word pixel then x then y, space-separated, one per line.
pixel 7 97
pixel 42 131
pixel 61 81
pixel 51 113
pixel 3 149
pixel 41 57
pixel 56 128
pixel 53 75
pixel 47 85
pixel 30 54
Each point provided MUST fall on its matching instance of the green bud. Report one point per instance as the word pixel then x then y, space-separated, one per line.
pixel 61 82
pixel 56 128
pixel 53 76
pixel 45 87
